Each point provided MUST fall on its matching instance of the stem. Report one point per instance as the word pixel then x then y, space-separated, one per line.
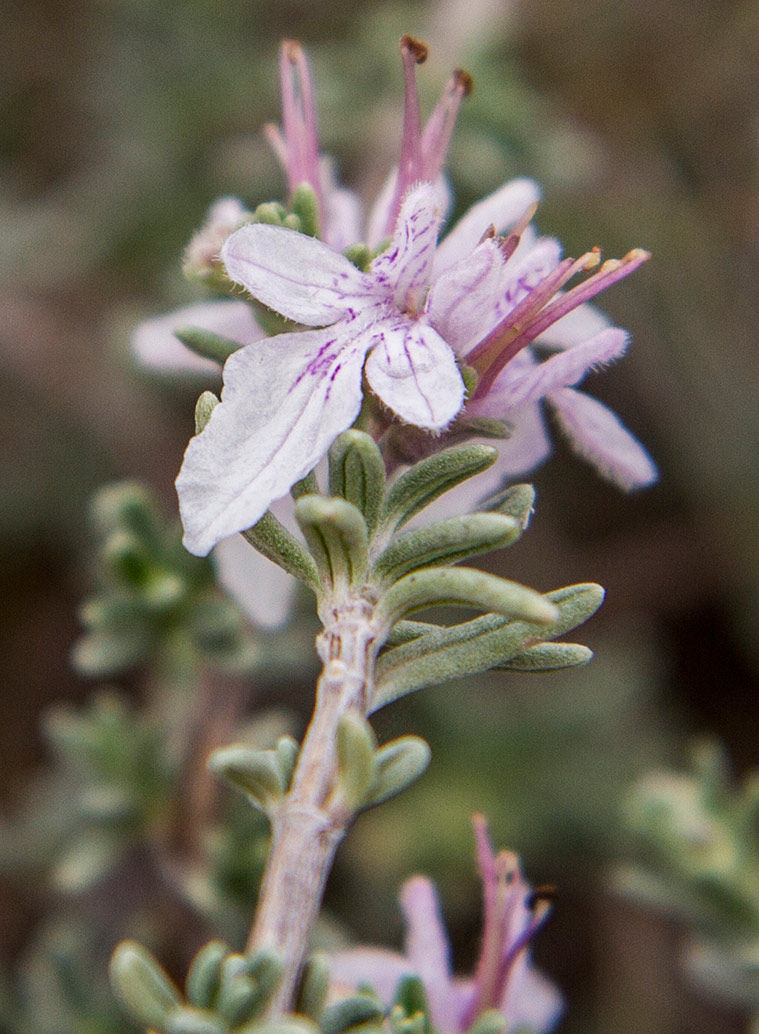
pixel 311 820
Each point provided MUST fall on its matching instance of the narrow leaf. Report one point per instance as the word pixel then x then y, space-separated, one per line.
pixel 355 759
pixel 314 986
pixel 337 537
pixel 357 473
pixel 207 344
pixel 276 543
pixel 204 974
pixel 396 765
pixel 548 657
pixel 445 543
pixel 517 501
pixel 255 772
pixel 142 985
pixel 349 1013
pixel 188 1020
pixel 467 587
pixel 430 478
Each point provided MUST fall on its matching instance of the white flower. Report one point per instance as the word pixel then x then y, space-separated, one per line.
pixel 287 398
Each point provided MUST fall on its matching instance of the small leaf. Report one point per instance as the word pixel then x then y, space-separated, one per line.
pixel 142 985
pixel 205 405
pixel 305 206
pixel 337 536
pixel 425 481
pixel 548 657
pixel 411 996
pixel 517 501
pixel 446 542
pixel 287 750
pixel 204 974
pixel 490 1022
pixel 276 543
pixel 286 1024
pixel 397 764
pixel 357 473
pixel 189 1020
pixel 466 587
pixel 350 1012
pixel 207 344
pixel 255 772
pixel 314 986
pixel 355 759
pixel 239 999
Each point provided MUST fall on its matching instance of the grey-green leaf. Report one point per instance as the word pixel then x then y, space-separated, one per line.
pixel 357 473
pixel 142 985
pixel 396 765
pixel 204 974
pixel 207 344
pixel 336 534
pixel 518 501
pixel 445 542
pixel 548 657
pixel 276 543
pixel 255 772
pixel 430 478
pixel 355 758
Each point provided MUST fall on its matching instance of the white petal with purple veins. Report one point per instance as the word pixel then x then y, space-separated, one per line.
pixel 404 269
pixel 461 302
pixel 284 402
pixel 262 589
pixel 598 436
pixel 298 276
pixel 414 372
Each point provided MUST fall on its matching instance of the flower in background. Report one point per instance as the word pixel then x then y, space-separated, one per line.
pixel 504 979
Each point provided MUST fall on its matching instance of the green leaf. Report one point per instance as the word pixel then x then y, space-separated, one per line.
pixel 517 501
pixel 397 764
pixel 548 657
pixel 490 1022
pixel 337 536
pixel 411 997
pixel 467 587
pixel 204 974
pixel 207 344
pixel 406 631
pixel 305 206
pixel 357 473
pixel 425 481
pixel 206 404
pixel 314 986
pixel 287 750
pixel 139 980
pixel 446 542
pixel 349 1013
pixel 189 1020
pixel 444 653
pixel 355 759
pixel 255 772
pixel 276 543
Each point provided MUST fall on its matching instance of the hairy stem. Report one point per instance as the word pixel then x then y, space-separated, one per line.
pixel 312 818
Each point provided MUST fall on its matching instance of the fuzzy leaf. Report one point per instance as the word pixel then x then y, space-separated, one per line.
pixel 205 405
pixel 207 344
pixel 276 543
pixel 357 473
pixel 446 542
pixel 467 587
pixel 204 974
pixel 350 1012
pixel 287 750
pixel 517 501
pixel 189 1020
pixel 314 986
pixel 396 765
pixel 548 657
pixel 337 537
pixel 425 481
pixel 255 772
pixel 444 653
pixel 355 758
pixel 142 985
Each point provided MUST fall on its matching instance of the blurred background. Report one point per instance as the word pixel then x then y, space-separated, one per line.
pixel 123 119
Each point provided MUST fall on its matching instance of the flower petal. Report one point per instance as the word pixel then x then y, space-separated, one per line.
pixel 462 302
pixel 156 346
pixel 404 270
pixel 414 372
pixel 599 437
pixel 578 325
pixel 427 947
pixel 298 276
pixel 562 370
pixel 262 589
pixel 500 209
pixel 531 1001
pixel 285 400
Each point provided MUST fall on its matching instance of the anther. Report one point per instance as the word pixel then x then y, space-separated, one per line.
pixel 416 48
pixel 464 81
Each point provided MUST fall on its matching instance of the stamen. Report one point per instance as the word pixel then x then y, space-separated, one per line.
pixel 413 53
pixel 510 243
pixel 439 129
pixel 299 119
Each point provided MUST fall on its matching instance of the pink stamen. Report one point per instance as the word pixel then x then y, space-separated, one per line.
pixel 510 243
pixel 299 119
pixel 413 53
pixel 437 133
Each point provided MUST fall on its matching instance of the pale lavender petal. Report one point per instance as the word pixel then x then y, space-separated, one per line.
pixel 427 947
pixel 379 214
pixel 155 344
pixel 262 589
pixel 525 449
pixel 284 402
pixel 578 325
pixel 530 1000
pixel 298 276
pixel 599 437
pixel 565 369
pixel 342 209
pixel 414 372
pixel 376 967
pixel 462 302
pixel 404 269
pixel 501 209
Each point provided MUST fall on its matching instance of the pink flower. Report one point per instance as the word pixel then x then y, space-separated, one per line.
pixel 504 979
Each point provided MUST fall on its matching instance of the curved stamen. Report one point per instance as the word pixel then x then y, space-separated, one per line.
pixel 437 133
pixel 413 53
pixel 299 120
